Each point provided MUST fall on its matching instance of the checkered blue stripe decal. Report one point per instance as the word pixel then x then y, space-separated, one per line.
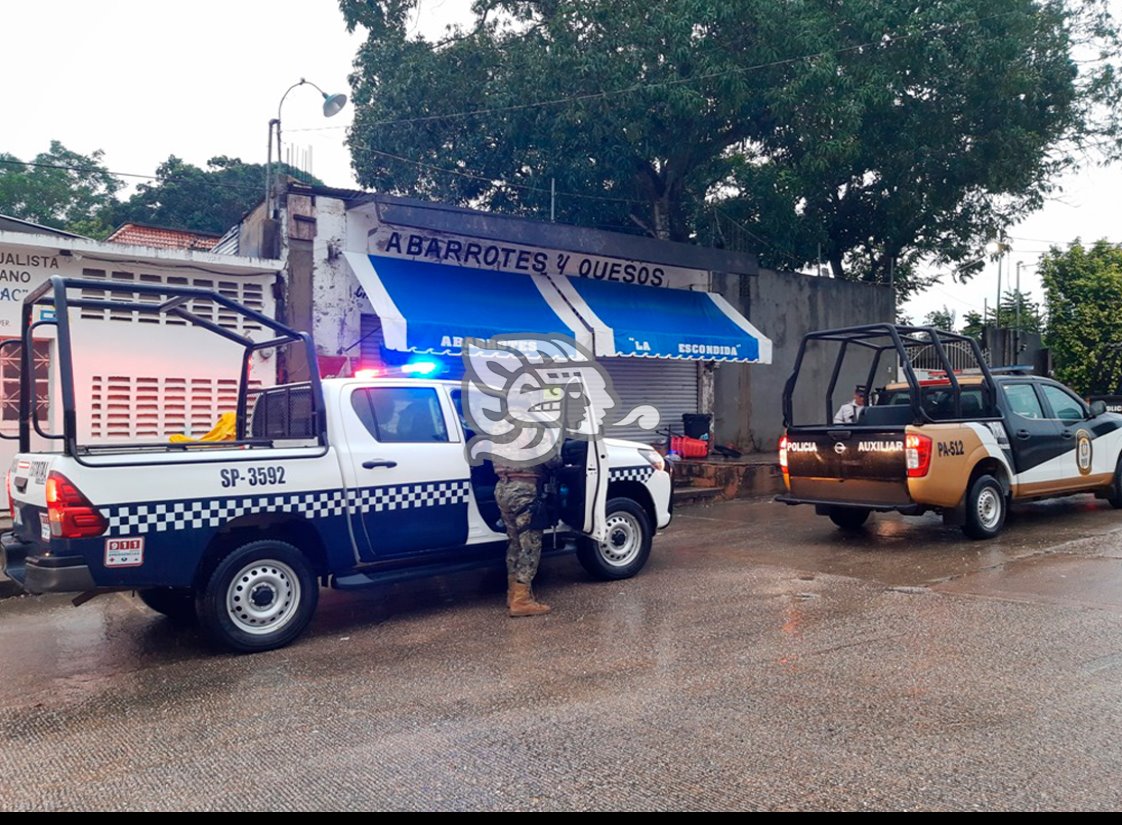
pixel 161 516
pixel 641 473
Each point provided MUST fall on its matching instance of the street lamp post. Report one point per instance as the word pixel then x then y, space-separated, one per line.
pixel 332 105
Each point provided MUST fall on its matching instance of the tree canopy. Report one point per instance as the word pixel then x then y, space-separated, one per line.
pixel 869 135
pixel 67 190
pixel 204 200
pixel 1083 289
pixel 59 188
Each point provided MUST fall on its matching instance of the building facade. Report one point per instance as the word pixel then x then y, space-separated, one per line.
pixel 380 281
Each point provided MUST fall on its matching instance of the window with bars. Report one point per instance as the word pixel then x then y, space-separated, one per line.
pixel 10 374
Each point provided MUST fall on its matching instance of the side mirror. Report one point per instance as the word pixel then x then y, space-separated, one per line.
pixel 1097 408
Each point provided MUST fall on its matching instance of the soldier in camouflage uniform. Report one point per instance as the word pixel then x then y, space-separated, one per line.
pixel 519 493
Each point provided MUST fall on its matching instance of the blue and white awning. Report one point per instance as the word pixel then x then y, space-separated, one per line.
pixel 656 322
pixel 432 308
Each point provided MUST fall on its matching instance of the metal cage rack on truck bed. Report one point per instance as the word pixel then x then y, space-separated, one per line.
pixel 58 294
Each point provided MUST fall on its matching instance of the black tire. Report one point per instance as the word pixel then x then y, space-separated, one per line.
pixel 849 518
pixel 628 547
pixel 178 604
pixel 1114 492
pixel 986 508
pixel 259 597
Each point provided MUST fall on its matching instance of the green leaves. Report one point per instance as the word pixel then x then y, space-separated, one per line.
pixel 59 188
pixel 75 192
pixel 187 197
pixel 877 134
pixel 1083 288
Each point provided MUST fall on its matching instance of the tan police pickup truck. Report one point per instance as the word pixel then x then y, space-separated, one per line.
pixel 941 432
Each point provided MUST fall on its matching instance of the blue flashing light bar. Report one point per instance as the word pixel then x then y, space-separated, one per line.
pixel 422 368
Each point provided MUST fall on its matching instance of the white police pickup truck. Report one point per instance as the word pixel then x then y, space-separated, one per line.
pixel 342 483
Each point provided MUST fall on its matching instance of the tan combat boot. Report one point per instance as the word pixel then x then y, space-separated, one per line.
pixel 521 602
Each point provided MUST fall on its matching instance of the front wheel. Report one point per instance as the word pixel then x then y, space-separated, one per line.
pixel 849 518
pixel 1114 492
pixel 628 545
pixel 985 508
pixel 260 597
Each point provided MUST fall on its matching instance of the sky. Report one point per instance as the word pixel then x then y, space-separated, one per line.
pixel 144 80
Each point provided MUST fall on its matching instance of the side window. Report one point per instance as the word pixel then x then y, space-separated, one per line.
pixel 1064 405
pixel 401 414
pixel 1023 401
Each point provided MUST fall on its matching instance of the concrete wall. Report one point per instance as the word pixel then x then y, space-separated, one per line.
pixel 784 306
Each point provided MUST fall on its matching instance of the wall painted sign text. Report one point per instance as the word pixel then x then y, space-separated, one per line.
pixel 485 254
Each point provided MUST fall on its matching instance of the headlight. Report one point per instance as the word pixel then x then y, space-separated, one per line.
pixel 654 459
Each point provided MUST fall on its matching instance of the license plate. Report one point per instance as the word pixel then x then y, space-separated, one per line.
pixel 17 516
pixel 44 527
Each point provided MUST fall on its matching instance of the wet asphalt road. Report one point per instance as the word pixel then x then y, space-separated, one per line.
pixel 764 660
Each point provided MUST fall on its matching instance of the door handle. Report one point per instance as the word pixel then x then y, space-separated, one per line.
pixel 1024 434
pixel 378 462
pixel 1067 433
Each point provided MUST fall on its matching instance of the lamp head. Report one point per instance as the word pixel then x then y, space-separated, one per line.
pixel 333 104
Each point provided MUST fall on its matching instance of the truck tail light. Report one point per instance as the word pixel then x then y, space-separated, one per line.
pixel 71 514
pixel 917 454
pixel 11 501
pixel 783 453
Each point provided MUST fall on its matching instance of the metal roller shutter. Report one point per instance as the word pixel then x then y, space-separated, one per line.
pixel 670 386
pixel 370 343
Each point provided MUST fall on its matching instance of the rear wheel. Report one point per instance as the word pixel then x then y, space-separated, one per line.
pixel 178 604
pixel 260 597
pixel 985 508
pixel 849 518
pixel 627 547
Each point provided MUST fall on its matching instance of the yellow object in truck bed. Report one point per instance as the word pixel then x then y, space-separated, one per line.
pixel 223 430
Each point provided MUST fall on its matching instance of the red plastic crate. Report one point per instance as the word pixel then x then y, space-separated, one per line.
pixel 688 447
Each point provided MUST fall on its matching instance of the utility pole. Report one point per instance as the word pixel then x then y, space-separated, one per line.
pixel 1017 324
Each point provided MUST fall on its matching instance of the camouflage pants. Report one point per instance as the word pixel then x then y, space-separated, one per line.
pixel 524 545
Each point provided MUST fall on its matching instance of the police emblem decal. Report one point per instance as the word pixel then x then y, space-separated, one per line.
pixel 1083 451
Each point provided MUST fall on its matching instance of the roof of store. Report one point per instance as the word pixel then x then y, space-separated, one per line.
pixel 136 234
